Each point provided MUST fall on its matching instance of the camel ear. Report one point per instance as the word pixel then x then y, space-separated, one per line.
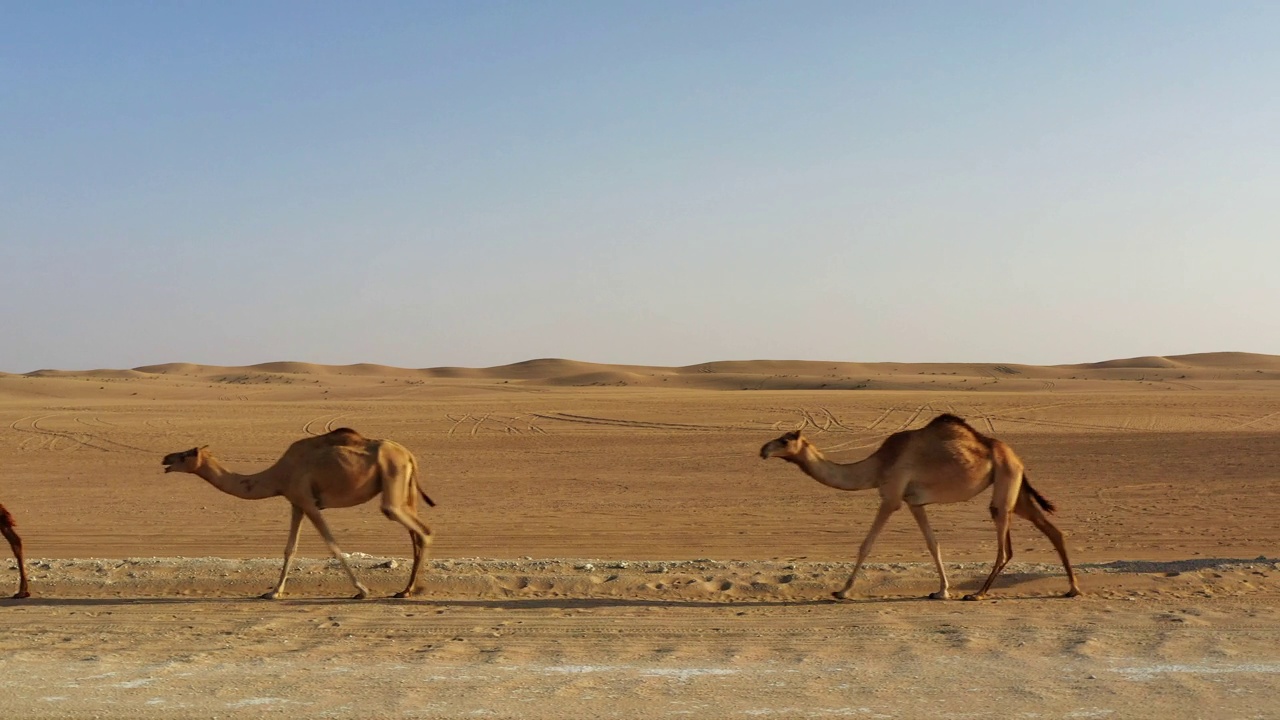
pixel 793 435
pixel 204 447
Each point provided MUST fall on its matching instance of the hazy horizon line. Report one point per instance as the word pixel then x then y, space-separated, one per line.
pixel 638 364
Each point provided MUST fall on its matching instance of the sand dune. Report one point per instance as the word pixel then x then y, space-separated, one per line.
pixel 1145 362
pixel 101 374
pixel 778 367
pixel 544 368
pixel 294 368
pixel 1215 360
pixel 1235 360
pixel 739 374
pixel 605 377
pixel 179 368
pixel 295 381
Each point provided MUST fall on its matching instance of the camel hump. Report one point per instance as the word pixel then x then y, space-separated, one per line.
pixel 947 419
pixel 342 436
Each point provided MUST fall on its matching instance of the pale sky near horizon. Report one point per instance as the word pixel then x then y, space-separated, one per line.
pixel 478 183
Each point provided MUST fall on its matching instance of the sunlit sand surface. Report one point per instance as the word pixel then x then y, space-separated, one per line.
pixel 609 544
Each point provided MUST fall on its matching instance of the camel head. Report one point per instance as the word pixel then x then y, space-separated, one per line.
pixel 786 447
pixel 186 461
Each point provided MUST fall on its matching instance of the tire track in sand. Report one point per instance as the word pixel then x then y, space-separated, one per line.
pixel 914 416
pixel 46 438
pixel 328 424
pixel 636 424
pixel 877 438
pixel 1255 421
pixel 883 416
pixel 508 424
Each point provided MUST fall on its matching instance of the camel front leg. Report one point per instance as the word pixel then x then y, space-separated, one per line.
pixel 922 520
pixel 295 525
pixel 313 514
pixel 882 516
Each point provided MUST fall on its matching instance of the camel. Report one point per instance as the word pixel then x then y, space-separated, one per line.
pixel 945 461
pixel 15 543
pixel 338 469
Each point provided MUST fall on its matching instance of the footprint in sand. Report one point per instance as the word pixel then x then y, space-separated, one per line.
pixel 523 583
pixel 513 584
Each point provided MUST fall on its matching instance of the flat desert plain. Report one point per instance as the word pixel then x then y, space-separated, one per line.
pixel 610 544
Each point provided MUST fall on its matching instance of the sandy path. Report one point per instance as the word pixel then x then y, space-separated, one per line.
pixel 161 638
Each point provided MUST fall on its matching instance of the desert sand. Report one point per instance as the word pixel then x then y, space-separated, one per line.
pixel 609 544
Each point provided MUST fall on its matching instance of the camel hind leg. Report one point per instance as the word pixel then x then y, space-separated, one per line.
pixel 420 543
pixel 1004 551
pixel 419 535
pixel 1006 489
pixel 15 544
pixel 400 503
pixel 1028 509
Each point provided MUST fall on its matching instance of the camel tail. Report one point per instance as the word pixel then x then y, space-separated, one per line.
pixel 1041 500
pixel 423 493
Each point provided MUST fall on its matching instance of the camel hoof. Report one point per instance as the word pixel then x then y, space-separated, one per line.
pixel 1073 592
pixel 973 597
pixel 22 594
pixel 940 595
pixel 840 595
pixel 271 595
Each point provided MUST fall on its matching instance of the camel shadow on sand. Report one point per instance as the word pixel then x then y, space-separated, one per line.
pixel 1145 567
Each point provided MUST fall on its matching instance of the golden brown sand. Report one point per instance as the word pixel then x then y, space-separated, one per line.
pixel 611 545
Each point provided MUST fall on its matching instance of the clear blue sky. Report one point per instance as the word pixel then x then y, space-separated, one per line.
pixel 477 183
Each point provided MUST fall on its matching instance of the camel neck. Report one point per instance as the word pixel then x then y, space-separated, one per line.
pixel 852 476
pixel 250 487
